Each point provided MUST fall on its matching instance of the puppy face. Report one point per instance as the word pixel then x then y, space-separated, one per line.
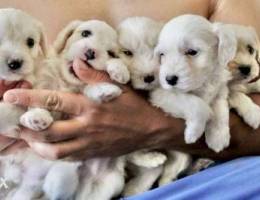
pixel 245 66
pixel 191 50
pixel 138 37
pixel 21 43
pixel 94 42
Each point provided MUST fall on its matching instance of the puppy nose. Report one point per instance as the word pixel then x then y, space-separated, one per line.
pixel 90 54
pixel 172 80
pixel 15 64
pixel 244 69
pixel 149 79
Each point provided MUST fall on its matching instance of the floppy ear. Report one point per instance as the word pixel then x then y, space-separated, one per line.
pixel 63 36
pixel 227 43
pixel 43 43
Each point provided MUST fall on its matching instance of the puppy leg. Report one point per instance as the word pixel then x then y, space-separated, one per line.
pixel 62 181
pixel 36 119
pixel 246 108
pixel 9 119
pixel 217 132
pixel 143 180
pixel 176 163
pixel 108 183
pixel 118 71
pixel 102 92
pixel 146 158
pixel 31 186
pixel 185 106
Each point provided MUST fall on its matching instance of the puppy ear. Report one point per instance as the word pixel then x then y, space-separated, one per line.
pixel 43 43
pixel 227 43
pixel 64 35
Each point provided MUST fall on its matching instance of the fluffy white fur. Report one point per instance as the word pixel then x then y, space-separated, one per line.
pixel 193 54
pixel 94 42
pixel 22 49
pixel 138 37
pixel 245 68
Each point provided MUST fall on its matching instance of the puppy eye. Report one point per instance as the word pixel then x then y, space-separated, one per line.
pixel 112 54
pixel 250 49
pixel 86 33
pixel 128 53
pixel 30 42
pixel 191 52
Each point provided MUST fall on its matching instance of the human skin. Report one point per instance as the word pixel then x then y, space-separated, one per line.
pixel 129 122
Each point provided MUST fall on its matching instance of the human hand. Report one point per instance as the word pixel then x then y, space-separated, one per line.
pixel 8 145
pixel 107 129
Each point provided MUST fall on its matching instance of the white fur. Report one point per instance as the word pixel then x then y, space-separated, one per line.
pixel 138 36
pixel 240 84
pixel 96 174
pixel 201 78
pixel 25 169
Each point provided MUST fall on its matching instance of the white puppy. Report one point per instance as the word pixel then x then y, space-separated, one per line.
pixel 22 49
pixel 245 68
pixel 94 42
pixel 138 37
pixel 193 74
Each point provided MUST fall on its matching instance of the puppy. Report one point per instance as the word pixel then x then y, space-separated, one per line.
pixel 23 48
pixel 138 36
pixel 94 42
pixel 245 69
pixel 193 75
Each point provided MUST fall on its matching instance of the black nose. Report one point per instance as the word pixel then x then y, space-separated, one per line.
pixel 149 79
pixel 90 54
pixel 172 80
pixel 244 69
pixel 15 64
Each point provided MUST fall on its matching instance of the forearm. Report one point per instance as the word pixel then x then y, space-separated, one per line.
pixel 244 140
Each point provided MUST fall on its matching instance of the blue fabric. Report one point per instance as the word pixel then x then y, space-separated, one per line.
pixel 234 180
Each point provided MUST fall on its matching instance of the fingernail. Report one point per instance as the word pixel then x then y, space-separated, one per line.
pixel 10 97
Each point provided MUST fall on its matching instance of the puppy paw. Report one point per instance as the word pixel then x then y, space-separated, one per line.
pixel 36 119
pixel 193 132
pixel 252 117
pixel 217 138
pixel 102 92
pixel 118 71
pixel 147 159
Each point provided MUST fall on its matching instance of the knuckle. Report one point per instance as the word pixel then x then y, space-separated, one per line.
pixel 53 101
pixel 55 154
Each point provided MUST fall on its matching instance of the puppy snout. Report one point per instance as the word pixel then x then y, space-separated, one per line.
pixel 149 79
pixel 15 64
pixel 244 69
pixel 90 54
pixel 172 80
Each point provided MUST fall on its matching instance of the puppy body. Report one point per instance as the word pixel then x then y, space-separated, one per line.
pixel 244 69
pixel 193 75
pixel 94 42
pixel 21 55
pixel 138 36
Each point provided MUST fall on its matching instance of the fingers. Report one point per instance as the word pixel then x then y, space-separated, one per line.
pixel 7 85
pixel 89 75
pixel 50 100
pixel 59 150
pixel 13 147
pixel 59 131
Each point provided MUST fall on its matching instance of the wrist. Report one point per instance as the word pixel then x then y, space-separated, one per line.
pixel 163 129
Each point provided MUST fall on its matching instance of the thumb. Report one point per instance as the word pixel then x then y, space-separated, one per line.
pixel 89 75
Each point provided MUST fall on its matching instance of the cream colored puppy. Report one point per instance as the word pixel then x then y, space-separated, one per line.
pixel 94 42
pixel 138 37
pixel 193 74
pixel 22 50
pixel 245 69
